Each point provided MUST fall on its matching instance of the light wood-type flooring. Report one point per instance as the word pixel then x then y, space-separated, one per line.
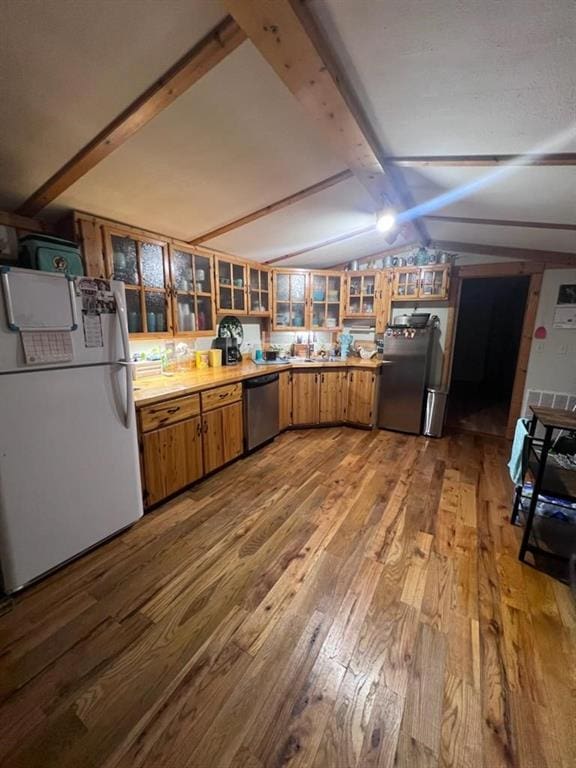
pixel 340 598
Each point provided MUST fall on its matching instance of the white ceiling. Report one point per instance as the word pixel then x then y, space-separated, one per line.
pixel 68 67
pixel 434 77
pixel 368 244
pixel 441 77
pixel 332 212
pixel 532 193
pixel 518 237
pixel 231 144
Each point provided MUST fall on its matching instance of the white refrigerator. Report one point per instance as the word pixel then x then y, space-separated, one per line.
pixel 69 467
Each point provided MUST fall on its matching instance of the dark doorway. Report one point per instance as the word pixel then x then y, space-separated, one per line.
pixel 488 336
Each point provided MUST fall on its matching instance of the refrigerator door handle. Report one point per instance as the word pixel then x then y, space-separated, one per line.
pixel 121 313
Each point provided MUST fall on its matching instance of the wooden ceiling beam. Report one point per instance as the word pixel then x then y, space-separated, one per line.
pixel 500 222
pixel 290 42
pixel 480 161
pixel 277 206
pixel 24 222
pixel 324 243
pixel 557 258
pixel 203 57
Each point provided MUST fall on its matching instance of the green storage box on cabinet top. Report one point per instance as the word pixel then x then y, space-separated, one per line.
pixel 49 254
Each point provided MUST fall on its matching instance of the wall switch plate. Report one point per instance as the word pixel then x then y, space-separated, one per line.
pixel 563 349
pixel 539 346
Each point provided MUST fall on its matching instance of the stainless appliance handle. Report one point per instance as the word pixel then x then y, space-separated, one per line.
pixel 121 314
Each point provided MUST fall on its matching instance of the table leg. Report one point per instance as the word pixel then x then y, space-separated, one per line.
pixel 536 488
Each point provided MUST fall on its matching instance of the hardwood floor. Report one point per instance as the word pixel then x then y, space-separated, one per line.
pixel 341 598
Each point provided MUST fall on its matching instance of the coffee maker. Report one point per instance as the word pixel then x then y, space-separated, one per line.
pixel 231 354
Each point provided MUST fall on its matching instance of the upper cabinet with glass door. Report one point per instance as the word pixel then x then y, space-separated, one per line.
pixel 361 294
pixel 434 282
pixel 290 300
pixel 259 291
pixel 326 300
pixel 142 264
pixel 192 295
pixel 230 286
pixel 420 283
pixel 406 283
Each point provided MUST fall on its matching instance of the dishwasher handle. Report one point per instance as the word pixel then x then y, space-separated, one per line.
pixel 261 381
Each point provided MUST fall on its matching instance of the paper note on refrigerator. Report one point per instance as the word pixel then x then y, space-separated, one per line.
pixel 92 325
pixel 41 347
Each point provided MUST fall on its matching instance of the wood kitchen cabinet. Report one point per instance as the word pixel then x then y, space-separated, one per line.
pixel 259 285
pixel 325 301
pixel 142 264
pixel 285 400
pixel 362 293
pixel 222 435
pixel 412 283
pixel 318 397
pixel 231 286
pixel 434 282
pixel 361 397
pixel 333 395
pixel 290 299
pixel 192 292
pixel 305 397
pixel 172 459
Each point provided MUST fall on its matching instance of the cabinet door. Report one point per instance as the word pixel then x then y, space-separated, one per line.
pixel 258 292
pixel 212 440
pixel 434 283
pixel 360 396
pixel 193 297
pixel 231 287
pixel 332 396
pixel 222 435
pixel 305 401
pixel 290 300
pixel 232 431
pixel 406 283
pixel 172 459
pixel 285 400
pixel 362 294
pixel 142 264
pixel 325 300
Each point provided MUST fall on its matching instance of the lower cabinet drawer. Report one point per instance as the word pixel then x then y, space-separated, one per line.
pixel 169 412
pixel 214 398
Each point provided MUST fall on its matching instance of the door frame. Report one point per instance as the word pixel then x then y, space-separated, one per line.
pixel 508 269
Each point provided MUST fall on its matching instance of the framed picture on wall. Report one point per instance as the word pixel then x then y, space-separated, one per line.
pixel 8 245
pixel 567 294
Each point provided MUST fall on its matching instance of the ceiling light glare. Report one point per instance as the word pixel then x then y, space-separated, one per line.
pixel 386 221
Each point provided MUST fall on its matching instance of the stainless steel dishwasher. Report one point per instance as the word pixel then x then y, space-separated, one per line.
pixel 260 410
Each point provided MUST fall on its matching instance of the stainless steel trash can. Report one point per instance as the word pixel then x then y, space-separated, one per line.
pixel 435 412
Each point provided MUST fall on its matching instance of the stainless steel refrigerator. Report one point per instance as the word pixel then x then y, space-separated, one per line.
pixel 69 469
pixel 404 381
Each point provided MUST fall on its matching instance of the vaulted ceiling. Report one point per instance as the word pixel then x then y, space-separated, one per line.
pixel 431 78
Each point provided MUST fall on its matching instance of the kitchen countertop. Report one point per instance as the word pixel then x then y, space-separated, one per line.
pixel 153 389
